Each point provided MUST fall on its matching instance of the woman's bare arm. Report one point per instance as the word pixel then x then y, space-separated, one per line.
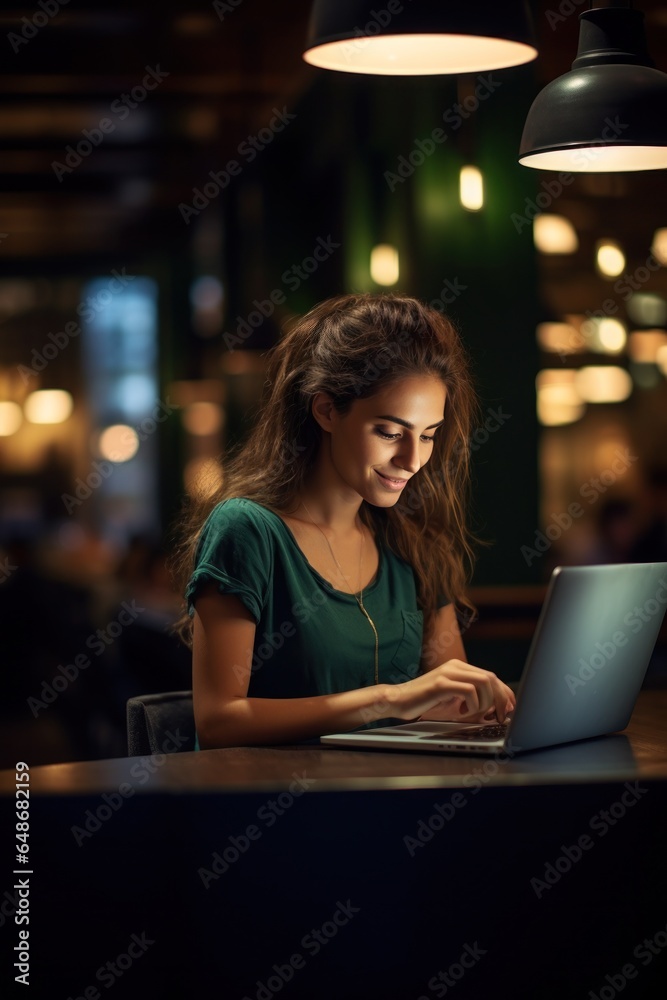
pixel 224 633
pixel 442 641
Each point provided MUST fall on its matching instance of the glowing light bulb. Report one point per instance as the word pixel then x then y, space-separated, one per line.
pixel 610 259
pixel 471 189
pixel 384 264
pixel 48 406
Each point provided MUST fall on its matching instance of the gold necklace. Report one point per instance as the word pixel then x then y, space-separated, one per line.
pixel 358 597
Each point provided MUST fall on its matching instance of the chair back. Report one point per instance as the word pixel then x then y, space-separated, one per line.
pixel 160 723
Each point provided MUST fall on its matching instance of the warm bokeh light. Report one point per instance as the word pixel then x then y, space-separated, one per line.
pixel 48 406
pixel 603 384
pixel 11 418
pixel 659 245
pixel 202 418
pixel 239 362
pixel 187 391
pixel 644 345
pixel 559 338
pixel 384 264
pixel 611 335
pixel 609 259
pixel 471 189
pixel 661 359
pixel 419 55
pixel 118 443
pixel 554 234
pixel 558 401
pixel 601 334
pixel 202 477
pixel 604 454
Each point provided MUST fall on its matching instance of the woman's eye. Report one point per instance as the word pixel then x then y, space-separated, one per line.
pixel 392 437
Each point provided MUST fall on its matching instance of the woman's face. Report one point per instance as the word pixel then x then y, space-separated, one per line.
pixel 384 440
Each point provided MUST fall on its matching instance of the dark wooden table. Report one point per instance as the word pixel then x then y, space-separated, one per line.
pixel 639 752
pixel 311 872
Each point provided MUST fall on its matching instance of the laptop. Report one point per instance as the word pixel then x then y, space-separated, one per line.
pixel 585 667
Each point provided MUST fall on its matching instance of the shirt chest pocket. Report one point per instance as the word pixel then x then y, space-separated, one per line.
pixel 404 664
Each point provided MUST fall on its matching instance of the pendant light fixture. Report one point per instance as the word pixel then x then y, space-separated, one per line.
pixel 608 112
pixel 419 37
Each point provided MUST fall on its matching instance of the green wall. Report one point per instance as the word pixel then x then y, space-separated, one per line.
pixel 333 172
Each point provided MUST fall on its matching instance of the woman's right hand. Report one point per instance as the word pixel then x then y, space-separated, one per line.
pixel 455 691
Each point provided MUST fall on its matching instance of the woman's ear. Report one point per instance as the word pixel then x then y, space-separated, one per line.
pixel 323 410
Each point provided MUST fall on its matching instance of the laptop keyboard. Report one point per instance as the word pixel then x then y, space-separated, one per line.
pixel 481 734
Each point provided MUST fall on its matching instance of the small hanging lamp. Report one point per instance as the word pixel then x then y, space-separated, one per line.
pixel 608 112
pixel 419 37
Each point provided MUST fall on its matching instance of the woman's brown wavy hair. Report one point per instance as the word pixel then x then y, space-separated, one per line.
pixel 352 346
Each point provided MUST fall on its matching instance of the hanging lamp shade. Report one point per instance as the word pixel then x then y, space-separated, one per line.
pixel 609 112
pixel 419 37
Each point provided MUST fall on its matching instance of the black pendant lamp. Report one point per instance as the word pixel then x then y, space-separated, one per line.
pixel 419 37
pixel 609 113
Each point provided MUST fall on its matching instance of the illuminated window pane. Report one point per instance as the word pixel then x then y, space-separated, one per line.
pixel 120 356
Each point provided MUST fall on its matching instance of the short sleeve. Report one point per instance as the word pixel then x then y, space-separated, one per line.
pixel 234 551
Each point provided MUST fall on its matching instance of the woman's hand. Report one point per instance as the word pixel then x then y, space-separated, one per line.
pixel 453 692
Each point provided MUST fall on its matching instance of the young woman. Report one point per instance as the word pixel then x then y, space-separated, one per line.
pixel 323 579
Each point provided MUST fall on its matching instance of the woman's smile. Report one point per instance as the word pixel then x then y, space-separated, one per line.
pixel 391 483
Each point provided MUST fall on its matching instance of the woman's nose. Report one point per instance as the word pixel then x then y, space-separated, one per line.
pixel 408 456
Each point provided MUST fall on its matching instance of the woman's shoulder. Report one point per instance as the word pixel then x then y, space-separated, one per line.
pixel 235 506
pixel 235 527
pixel 239 513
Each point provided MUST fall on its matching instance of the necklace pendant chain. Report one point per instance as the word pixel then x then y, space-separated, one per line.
pixel 375 632
pixel 358 597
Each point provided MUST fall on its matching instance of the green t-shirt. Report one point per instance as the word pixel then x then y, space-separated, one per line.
pixel 310 639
